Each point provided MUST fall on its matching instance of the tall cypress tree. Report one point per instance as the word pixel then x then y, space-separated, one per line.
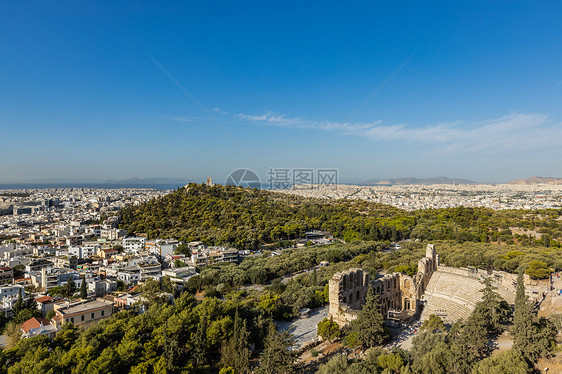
pixel 522 318
pixel 83 291
pixel 533 337
pixel 277 358
pixel 236 352
pixel 199 339
pixel 369 326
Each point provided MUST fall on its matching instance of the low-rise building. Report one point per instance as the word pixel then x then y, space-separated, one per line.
pixel 82 312
pixel 134 244
pixel 47 303
pixel 9 295
pixel 38 326
pixel 6 275
pixel 180 275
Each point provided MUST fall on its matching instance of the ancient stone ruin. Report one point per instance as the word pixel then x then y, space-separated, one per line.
pixel 399 294
pixel 451 293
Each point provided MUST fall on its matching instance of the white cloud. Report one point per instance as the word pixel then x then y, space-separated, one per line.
pixel 219 110
pixel 280 120
pixel 181 118
pixel 511 133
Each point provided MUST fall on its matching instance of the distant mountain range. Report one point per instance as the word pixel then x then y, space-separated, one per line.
pixel 537 180
pixel 412 180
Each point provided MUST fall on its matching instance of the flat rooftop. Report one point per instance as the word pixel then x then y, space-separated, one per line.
pixel 85 307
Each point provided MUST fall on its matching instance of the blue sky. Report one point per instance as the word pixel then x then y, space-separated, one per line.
pixel 374 89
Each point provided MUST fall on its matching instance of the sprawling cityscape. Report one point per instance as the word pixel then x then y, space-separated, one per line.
pixel 438 196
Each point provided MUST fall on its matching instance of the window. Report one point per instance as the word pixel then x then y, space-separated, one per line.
pixel 102 313
pixel 93 315
pixel 82 317
pixel 72 320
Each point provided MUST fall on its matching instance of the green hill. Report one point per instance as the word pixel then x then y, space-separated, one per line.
pixel 246 218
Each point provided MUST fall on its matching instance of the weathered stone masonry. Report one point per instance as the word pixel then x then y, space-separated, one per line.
pixel 398 293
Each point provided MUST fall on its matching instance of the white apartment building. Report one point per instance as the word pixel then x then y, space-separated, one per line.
pixel 134 244
pixel 10 294
pixel 82 252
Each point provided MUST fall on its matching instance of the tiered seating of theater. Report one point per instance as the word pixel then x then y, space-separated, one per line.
pixel 453 296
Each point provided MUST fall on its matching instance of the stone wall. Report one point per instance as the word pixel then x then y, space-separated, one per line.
pixel 396 292
pixel 347 291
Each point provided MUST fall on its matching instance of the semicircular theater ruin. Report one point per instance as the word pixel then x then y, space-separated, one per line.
pixel 448 292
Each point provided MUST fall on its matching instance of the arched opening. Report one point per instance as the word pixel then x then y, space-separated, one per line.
pixel 351 299
pixel 358 296
pixel 344 300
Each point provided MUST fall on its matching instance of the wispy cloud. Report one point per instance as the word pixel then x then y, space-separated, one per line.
pixel 511 133
pixel 280 120
pixel 219 110
pixel 182 118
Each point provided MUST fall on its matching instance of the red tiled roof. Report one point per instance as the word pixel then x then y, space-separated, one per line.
pixel 33 323
pixel 44 299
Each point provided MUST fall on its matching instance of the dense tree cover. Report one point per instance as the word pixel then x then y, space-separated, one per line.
pixel 186 337
pixel 377 361
pixel 247 218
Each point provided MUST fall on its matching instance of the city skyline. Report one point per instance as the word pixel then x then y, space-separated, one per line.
pixel 116 91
